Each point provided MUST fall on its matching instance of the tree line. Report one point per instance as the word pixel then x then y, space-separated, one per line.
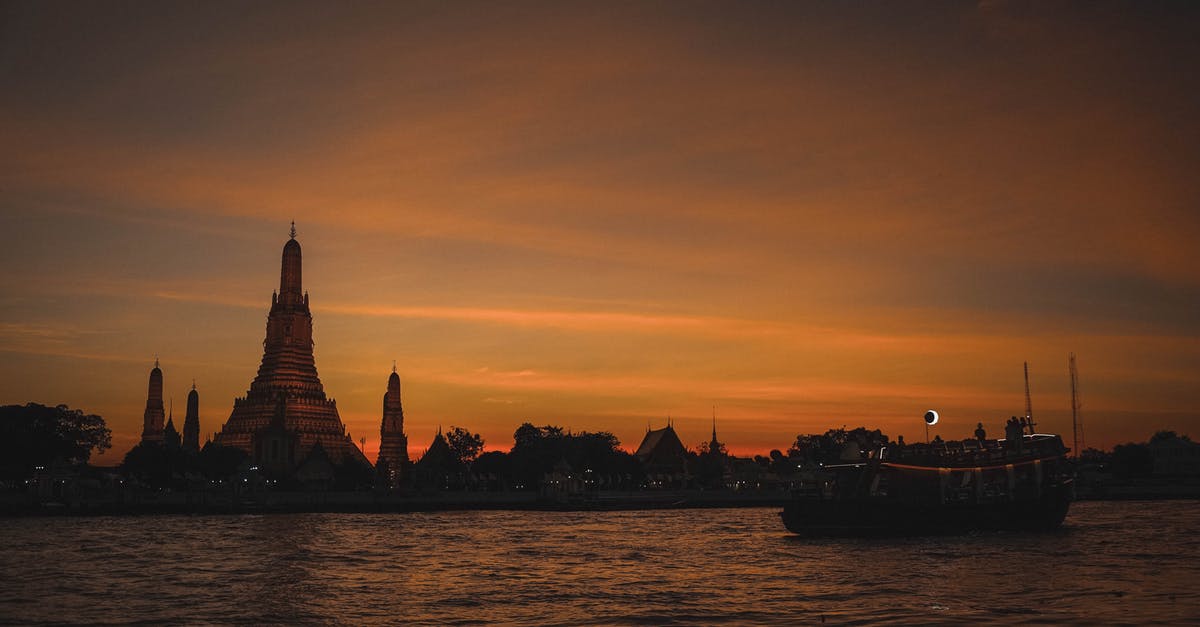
pixel 34 437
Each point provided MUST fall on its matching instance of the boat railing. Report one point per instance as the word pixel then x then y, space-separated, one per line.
pixel 976 452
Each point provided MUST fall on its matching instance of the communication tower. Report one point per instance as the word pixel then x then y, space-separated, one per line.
pixel 1076 423
pixel 1028 402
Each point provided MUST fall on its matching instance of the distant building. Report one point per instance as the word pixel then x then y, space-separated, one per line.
pixel 152 418
pixel 317 472
pixel 437 466
pixel 713 465
pixel 1175 456
pixel 664 457
pixel 393 444
pixel 285 413
pixel 171 434
pixel 154 431
pixel 191 422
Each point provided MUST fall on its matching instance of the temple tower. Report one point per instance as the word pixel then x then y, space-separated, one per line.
pixel 287 394
pixel 393 444
pixel 170 433
pixel 715 446
pixel 191 422
pixel 152 419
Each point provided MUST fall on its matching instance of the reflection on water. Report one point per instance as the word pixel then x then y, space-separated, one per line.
pixel 1113 563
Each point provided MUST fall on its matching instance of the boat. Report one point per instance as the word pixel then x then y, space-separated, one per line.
pixel 1020 483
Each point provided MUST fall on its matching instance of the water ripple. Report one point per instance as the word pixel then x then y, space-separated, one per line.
pixel 1114 563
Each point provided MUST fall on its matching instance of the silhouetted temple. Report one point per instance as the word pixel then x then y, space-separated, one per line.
pixel 285 413
pixel 154 431
pixel 152 419
pixel 434 468
pixel 664 457
pixel 170 433
pixel 393 444
pixel 715 446
pixel 191 422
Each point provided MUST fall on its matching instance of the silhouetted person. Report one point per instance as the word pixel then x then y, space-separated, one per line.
pixel 1013 433
pixel 980 434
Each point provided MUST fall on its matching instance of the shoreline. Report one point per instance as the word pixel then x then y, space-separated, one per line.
pixel 21 505
pixel 373 502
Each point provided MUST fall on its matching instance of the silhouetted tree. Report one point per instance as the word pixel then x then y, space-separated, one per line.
pixel 710 470
pixel 537 450
pixel 827 448
pixel 1164 435
pixel 35 435
pixel 464 445
pixel 528 435
pixel 1095 456
pixel 220 462
pixel 1132 460
pixel 782 465
pixel 591 451
pixel 492 468
pixel 150 463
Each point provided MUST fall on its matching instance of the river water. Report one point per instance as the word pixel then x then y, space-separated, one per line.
pixel 1112 563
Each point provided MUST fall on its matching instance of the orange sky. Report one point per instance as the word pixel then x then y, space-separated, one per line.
pixel 600 216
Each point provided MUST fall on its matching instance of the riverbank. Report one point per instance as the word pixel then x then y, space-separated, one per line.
pixel 133 503
pixel 1138 490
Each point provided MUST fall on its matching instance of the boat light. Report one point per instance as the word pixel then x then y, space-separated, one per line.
pixel 931 417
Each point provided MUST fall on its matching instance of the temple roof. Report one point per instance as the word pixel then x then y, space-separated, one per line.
pixel 439 452
pixel 663 440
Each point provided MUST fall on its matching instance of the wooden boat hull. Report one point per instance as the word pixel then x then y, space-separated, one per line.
pixel 871 516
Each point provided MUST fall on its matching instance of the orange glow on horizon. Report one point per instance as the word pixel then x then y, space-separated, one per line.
pixel 808 216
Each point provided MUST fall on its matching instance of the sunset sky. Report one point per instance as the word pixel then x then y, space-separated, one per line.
pixel 601 215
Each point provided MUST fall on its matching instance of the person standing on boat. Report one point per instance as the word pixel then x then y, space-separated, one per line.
pixel 1014 433
pixel 980 434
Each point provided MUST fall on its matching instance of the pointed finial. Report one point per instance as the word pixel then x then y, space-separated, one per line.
pixel 393 366
pixel 155 360
pixel 193 383
pixel 293 233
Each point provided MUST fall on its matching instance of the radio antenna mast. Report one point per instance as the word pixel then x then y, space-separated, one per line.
pixel 1076 423
pixel 1028 401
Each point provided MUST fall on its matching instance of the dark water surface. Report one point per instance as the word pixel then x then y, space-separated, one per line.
pixel 1113 563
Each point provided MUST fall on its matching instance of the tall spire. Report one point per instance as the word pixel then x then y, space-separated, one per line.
pixel 191 421
pixel 290 288
pixel 288 374
pixel 152 418
pixel 170 435
pixel 293 231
